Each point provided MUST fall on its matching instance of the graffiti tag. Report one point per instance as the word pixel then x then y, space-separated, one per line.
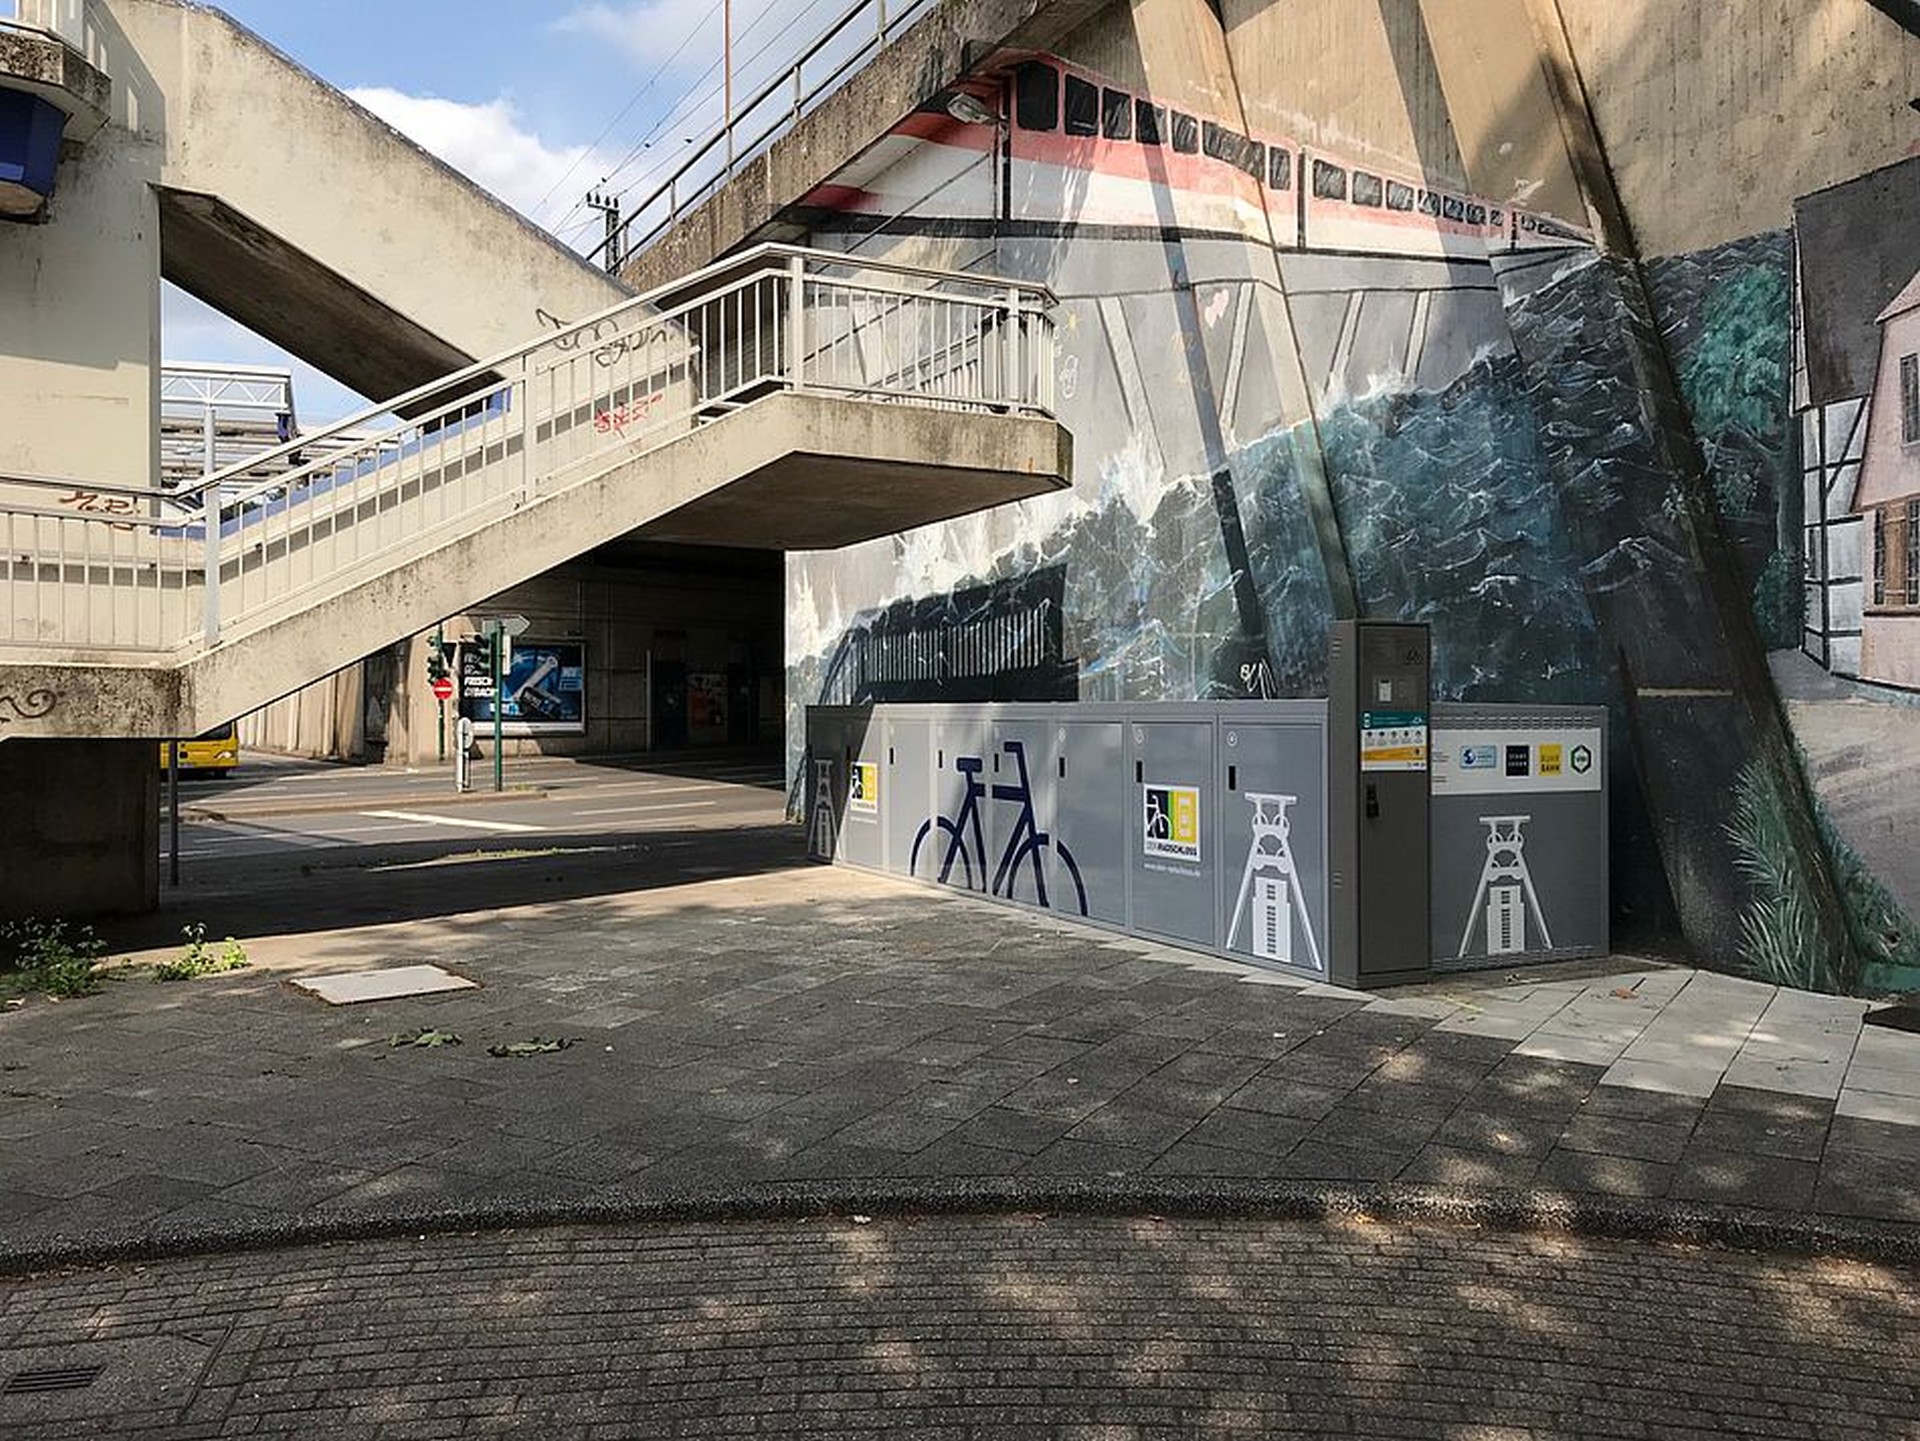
pixel 36 704
pixel 93 503
pixel 603 335
pixel 616 419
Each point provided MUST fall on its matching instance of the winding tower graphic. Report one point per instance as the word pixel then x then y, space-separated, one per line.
pixel 1270 887
pixel 1506 889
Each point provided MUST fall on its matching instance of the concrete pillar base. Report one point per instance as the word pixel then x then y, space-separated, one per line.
pixel 80 836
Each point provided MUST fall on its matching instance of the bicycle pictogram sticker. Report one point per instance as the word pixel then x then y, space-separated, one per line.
pixel 965 847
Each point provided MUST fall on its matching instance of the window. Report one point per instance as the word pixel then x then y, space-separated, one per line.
pixel 1476 214
pixel 1116 115
pixel 1186 134
pixel 1912 557
pixel 1280 168
pixel 1234 148
pixel 1083 107
pixel 1910 399
pixel 1399 197
pixel 1036 97
pixel 1881 517
pixel 1329 181
pixel 1366 188
pixel 1453 208
pixel 1149 122
pixel 1430 203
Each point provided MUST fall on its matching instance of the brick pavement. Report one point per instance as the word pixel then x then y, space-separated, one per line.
pixel 959 1328
pixel 804 1025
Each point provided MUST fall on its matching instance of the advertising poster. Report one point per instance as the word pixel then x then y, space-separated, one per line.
pixel 707 701
pixel 545 685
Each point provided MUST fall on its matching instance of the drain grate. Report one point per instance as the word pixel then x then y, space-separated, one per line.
pixel 53 1378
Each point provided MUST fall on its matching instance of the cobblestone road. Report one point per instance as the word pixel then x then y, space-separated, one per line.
pixel 958 1328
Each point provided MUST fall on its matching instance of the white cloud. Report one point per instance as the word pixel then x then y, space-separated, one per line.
pixel 491 145
pixel 654 31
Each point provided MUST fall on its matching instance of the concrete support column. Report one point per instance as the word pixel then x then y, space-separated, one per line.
pixel 82 831
pixel 1702 723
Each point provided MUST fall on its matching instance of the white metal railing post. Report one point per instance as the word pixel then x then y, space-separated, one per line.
pixel 210 565
pixel 1011 386
pixel 797 322
pixel 521 397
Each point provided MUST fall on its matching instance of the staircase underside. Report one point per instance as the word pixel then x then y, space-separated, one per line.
pixel 792 471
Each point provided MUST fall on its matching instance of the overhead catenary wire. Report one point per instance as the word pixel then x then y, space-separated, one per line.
pixel 685 105
pixel 625 110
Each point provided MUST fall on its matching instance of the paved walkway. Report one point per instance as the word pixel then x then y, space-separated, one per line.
pixel 804 1026
pixel 1003 1327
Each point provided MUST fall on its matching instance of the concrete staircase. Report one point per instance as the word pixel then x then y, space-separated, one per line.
pixel 783 399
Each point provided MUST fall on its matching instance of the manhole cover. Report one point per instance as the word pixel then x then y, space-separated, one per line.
pixel 77 1386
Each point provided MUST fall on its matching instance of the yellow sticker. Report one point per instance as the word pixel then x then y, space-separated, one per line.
pixel 865 792
pixel 1549 760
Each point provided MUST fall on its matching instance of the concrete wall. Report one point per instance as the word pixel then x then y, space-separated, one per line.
pixel 1570 445
pixel 83 821
pixel 1715 117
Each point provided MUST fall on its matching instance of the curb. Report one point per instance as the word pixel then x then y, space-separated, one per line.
pixel 1537 1212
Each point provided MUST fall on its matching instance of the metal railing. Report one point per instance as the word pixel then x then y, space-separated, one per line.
pixel 847 43
pixel 110 568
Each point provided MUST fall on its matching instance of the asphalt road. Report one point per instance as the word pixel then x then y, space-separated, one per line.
pixel 280 811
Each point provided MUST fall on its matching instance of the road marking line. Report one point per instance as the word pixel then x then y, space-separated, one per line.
pixel 425 820
pixel 590 790
pixel 630 810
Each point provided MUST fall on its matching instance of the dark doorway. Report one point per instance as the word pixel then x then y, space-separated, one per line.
pixel 669 702
pixel 743 706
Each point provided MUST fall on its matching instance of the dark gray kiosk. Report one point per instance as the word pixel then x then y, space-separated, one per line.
pixel 1377 797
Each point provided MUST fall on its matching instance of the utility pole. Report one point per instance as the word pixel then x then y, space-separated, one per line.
pixel 609 207
pixel 726 65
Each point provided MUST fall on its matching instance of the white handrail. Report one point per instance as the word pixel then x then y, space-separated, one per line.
pixel 130 569
pixel 482 370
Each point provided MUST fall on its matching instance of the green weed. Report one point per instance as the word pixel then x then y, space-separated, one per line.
pixel 199 959
pixel 47 956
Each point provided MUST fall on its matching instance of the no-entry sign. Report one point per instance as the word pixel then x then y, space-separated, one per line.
pixel 443 688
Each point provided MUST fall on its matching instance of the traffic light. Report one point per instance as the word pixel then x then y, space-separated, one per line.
pixel 437 658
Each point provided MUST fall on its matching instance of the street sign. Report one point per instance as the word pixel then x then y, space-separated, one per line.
pixel 443 688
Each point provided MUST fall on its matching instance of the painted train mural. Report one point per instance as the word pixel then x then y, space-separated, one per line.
pixel 1306 383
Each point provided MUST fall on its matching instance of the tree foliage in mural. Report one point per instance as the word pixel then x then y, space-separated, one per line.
pixel 1883 947
pixel 1725 314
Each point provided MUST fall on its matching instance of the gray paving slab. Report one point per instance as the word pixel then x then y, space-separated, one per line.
pixel 811 1025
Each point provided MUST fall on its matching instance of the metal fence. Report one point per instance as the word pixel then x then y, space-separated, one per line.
pixel 89 567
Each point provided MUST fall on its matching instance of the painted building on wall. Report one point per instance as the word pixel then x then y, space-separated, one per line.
pixel 1890 499
pixel 1526 319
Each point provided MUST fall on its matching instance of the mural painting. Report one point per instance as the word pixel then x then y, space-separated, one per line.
pixel 1304 384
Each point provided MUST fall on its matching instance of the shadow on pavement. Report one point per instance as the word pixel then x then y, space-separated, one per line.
pixel 424 880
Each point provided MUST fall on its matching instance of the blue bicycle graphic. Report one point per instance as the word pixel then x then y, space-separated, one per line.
pixel 1026 842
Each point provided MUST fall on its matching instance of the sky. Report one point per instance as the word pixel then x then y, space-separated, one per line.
pixel 537 102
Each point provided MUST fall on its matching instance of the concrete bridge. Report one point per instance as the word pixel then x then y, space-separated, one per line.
pixel 781 399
